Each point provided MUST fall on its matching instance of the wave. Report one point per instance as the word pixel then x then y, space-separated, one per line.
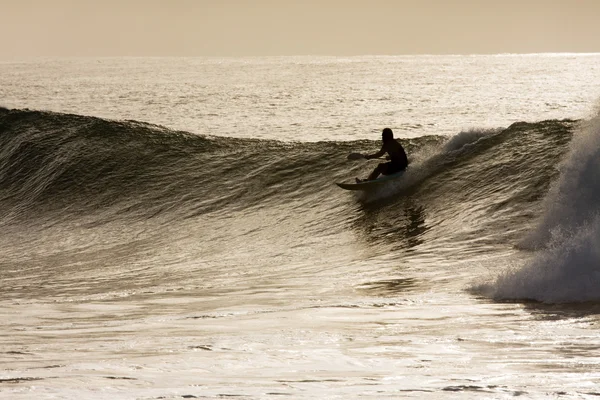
pixel 566 267
pixel 51 162
pixel 63 166
pixel 479 188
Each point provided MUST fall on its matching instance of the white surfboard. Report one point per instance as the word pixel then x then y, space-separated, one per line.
pixel 372 184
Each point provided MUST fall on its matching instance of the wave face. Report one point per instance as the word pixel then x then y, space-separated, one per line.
pixel 56 162
pixel 51 161
pixel 470 194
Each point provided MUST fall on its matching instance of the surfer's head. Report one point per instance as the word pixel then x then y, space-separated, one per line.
pixel 387 134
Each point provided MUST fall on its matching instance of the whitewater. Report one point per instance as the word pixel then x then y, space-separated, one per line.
pixel 171 228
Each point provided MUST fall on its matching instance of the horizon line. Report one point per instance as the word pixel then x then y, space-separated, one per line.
pixel 547 53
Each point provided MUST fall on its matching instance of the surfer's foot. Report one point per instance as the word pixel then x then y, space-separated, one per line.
pixel 360 180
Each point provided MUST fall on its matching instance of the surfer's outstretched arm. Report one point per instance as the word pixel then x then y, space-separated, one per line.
pixel 376 155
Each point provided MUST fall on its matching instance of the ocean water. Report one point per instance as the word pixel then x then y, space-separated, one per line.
pixel 170 228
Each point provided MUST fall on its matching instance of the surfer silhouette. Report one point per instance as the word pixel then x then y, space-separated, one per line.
pixel 396 154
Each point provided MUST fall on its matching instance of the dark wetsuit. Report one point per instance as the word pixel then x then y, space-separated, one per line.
pixel 397 156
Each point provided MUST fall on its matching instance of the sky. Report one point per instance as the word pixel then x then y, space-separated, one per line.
pixel 295 27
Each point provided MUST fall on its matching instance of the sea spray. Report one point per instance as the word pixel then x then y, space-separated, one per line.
pixel 573 199
pixel 567 268
pixel 430 159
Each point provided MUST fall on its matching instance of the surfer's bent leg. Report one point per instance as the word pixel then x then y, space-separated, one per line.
pixel 392 168
pixel 380 169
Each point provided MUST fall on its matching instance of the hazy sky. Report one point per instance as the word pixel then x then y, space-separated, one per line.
pixel 295 27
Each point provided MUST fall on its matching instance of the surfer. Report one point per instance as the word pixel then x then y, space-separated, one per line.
pixel 396 154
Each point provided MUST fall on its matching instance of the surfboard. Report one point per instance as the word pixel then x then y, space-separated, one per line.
pixel 372 184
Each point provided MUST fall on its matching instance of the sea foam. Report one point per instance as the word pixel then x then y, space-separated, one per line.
pixel 566 267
